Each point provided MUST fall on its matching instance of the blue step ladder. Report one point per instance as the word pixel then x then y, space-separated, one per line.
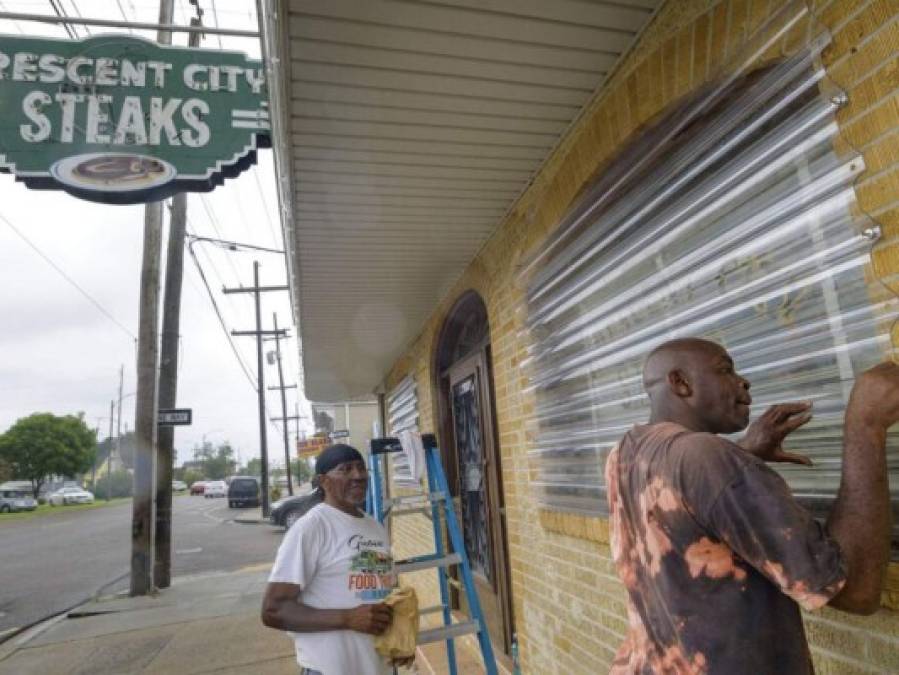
pixel 437 499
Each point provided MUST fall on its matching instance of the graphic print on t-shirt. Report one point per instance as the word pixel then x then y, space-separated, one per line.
pixel 371 575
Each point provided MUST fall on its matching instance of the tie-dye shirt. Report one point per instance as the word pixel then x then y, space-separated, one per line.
pixel 716 555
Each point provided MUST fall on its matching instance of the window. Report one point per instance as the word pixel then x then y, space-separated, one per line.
pixel 402 416
pixel 735 219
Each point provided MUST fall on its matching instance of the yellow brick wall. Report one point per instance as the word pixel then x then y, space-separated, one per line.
pixel 568 604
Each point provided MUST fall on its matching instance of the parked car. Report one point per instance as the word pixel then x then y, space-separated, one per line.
pixel 285 512
pixel 244 491
pixel 198 487
pixel 215 488
pixel 16 500
pixel 70 495
pixel 178 486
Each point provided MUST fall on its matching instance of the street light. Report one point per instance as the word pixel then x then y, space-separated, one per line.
pixel 230 245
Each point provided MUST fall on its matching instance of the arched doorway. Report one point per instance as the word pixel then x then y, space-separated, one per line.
pixel 471 457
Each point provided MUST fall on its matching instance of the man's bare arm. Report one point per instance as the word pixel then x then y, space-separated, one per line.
pixel 860 518
pixel 281 609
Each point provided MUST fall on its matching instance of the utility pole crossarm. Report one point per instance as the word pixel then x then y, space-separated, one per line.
pixel 254 333
pixel 286 386
pixel 254 289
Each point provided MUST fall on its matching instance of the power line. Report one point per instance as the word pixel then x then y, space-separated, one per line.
pixel 65 276
pixel 265 210
pixel 218 313
pixel 215 18
pixel 253 382
pixel 215 268
pixel 80 16
pixel 61 13
pixel 213 221
pixel 124 16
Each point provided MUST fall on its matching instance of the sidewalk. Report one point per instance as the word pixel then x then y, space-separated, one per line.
pixel 202 624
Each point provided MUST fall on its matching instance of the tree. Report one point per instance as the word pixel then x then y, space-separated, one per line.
pixel 190 476
pixel 44 444
pixel 116 484
pixel 5 471
pixel 254 467
pixel 302 472
pixel 216 462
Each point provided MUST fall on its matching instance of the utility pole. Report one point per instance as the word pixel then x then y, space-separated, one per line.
pixel 168 376
pixel 118 433
pixel 94 467
pixel 283 417
pixel 143 520
pixel 257 290
pixel 108 454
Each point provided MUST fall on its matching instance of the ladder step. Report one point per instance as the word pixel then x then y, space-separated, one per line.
pixel 446 632
pixel 426 563
pixel 418 500
pixel 425 510
pixel 433 609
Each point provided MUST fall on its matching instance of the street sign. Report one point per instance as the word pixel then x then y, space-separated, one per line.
pixel 175 417
pixel 340 433
pixel 122 120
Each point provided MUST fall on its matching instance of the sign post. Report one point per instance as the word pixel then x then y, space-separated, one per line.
pixel 122 120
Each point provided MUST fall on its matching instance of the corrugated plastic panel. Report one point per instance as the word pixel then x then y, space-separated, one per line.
pixel 734 219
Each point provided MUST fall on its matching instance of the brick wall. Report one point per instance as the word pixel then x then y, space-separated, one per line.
pixel 568 603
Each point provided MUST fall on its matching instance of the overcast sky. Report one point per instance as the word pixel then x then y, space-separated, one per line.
pixel 60 353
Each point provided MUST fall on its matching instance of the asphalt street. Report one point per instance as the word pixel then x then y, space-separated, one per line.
pixel 50 563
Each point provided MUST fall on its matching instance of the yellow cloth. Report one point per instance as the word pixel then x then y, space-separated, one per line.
pixel 398 641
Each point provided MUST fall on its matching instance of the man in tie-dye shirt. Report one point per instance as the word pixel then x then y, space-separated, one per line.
pixel 716 555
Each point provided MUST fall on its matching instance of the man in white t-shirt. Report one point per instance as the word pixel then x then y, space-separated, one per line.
pixel 332 572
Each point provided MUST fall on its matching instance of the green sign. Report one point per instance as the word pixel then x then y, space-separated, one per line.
pixel 122 120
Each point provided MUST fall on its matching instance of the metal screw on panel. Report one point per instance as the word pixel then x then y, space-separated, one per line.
pixel 873 233
pixel 840 99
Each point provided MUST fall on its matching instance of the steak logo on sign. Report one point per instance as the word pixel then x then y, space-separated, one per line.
pixel 122 120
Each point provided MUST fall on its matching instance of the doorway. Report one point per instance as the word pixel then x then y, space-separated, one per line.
pixel 472 462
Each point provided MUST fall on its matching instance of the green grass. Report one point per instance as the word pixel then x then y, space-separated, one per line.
pixel 47 510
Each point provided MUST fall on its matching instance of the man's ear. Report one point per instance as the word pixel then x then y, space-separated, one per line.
pixel 679 384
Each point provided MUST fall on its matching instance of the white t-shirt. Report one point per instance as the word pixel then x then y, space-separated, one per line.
pixel 340 561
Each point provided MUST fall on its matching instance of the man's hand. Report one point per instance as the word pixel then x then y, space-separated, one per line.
pixel 371 619
pixel 403 663
pixel 875 397
pixel 764 437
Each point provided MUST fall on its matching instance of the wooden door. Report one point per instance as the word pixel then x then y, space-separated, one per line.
pixel 476 468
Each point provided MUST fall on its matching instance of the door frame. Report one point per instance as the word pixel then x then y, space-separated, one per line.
pixel 478 361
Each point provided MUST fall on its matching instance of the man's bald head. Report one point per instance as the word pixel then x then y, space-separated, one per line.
pixel 682 353
pixel 692 382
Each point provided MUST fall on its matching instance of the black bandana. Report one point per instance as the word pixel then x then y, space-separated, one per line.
pixel 335 455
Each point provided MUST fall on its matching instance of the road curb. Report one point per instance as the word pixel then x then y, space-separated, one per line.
pixel 20 637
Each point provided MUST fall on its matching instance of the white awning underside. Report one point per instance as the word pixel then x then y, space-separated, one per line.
pixel 411 127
